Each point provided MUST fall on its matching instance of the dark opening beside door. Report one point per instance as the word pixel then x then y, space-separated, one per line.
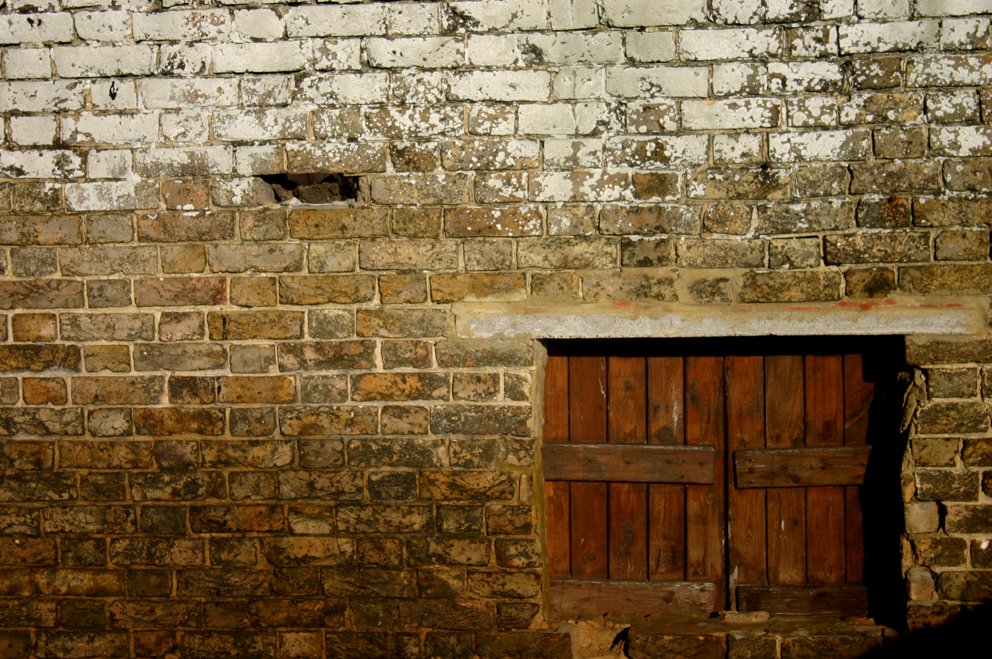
pixel 684 477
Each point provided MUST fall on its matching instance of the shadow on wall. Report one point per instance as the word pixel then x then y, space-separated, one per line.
pixel 968 631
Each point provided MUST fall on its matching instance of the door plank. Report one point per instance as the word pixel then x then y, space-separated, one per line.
pixel 666 503
pixel 628 502
pixel 804 467
pixel 629 463
pixel 555 430
pixel 704 426
pixel 784 428
pixel 825 505
pixel 746 510
pixel 588 505
pixel 824 601
pixel 594 598
pixel 858 395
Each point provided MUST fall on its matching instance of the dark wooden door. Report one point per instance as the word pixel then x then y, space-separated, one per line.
pixel 695 476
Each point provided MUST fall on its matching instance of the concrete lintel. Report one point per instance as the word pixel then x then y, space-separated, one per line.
pixel 666 320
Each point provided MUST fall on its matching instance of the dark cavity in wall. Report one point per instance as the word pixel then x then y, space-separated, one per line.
pixel 313 188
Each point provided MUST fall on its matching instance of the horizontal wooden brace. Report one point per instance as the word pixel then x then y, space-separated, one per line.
pixel 594 598
pixel 628 463
pixel 804 600
pixel 801 467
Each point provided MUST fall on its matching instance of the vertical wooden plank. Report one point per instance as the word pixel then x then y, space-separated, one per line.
pixel 825 557
pixel 704 425
pixel 666 503
pixel 557 498
pixel 745 508
pixel 784 428
pixel 858 394
pixel 587 423
pixel 628 502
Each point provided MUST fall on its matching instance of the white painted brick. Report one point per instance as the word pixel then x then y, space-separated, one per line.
pixel 499 15
pixel 657 151
pixel 186 127
pixel 413 121
pixel 790 77
pixel 497 120
pixel 884 9
pixel 27 63
pixel 108 163
pixel 573 14
pixel 258 24
pixel 742 43
pixel 40 163
pixel 241 192
pixel 427 52
pixel 260 57
pixel 188 92
pixel 184 59
pixel 789 10
pixel 24 6
pixel 651 46
pixel 110 195
pixel 41 95
pixel 546 119
pixel 33 130
pixel 336 20
pixel 591 117
pixel 813 111
pixel 645 13
pixel 575 82
pixel 419 87
pixel 963 33
pixel 730 114
pixel 736 12
pixel 952 105
pixel 854 144
pixel 575 47
pixel 269 124
pixel 739 78
pixel 184 161
pixel 657 81
pixel 344 88
pixel 571 153
pixel 830 9
pixel 337 54
pixel 266 90
pixel 652 116
pixel 502 86
pixel 36 28
pixel 103 25
pixel 578 185
pixel 946 70
pixel 182 25
pixel 739 148
pixel 114 94
pixel 953 7
pixel 255 160
pixel 493 50
pixel 104 61
pixel 961 141
pixel 880 37
pixel 420 18
pixel 814 42
pixel 111 128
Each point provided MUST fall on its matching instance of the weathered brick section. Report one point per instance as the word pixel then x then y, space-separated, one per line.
pixel 236 426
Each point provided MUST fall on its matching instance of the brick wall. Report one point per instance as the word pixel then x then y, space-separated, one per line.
pixel 233 426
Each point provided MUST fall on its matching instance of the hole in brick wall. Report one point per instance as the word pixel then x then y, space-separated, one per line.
pixel 313 188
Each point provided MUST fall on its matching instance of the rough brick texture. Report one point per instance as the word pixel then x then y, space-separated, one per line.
pixel 235 425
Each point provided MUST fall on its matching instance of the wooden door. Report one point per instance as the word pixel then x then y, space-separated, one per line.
pixel 693 476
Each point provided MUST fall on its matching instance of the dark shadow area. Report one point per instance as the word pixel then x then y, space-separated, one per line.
pixel 318 188
pixel 967 632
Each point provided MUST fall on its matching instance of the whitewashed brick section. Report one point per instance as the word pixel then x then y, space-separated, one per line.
pixel 952 105
pixel 576 82
pixel 345 88
pixel 182 25
pixel 36 28
pixel 108 164
pixel 546 119
pixel 260 57
pixel 739 78
pixel 953 7
pixel 737 12
pixel 573 14
pixel 737 148
pixel 270 124
pixel 113 94
pixel 110 195
pixel 730 114
pixel 498 15
pixel 878 37
pixel 852 144
pixel 188 92
pixel 964 33
pixel 103 25
pixel 27 63
pixel 40 163
pixel 186 127
pixel 336 54
pixel 661 151
pixel 336 20
pixel 41 95
pixel 184 161
pixel 650 46
pixel 728 44
pixel 413 18
pixel 962 141
pixel 944 70
pixel 567 154
pixel 184 59
pixel 644 13
pixel 792 77
pixel 884 9
pixel 575 47
pixel 502 86
pixel 258 24
pixel 33 130
pixel 494 50
pixel 104 61
pixel 832 9
pixel 111 128
pixel 657 81
pixel 255 160
pixel 431 52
